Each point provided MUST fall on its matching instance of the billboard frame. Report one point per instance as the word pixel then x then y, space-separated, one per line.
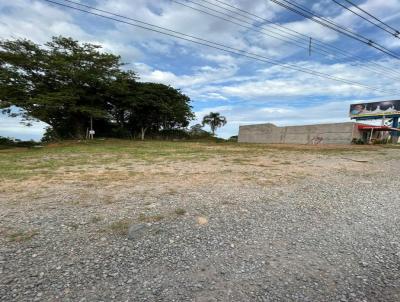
pixel 372 110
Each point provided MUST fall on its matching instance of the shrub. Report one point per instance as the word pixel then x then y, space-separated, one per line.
pixel 6 142
pixel 49 136
pixel 357 141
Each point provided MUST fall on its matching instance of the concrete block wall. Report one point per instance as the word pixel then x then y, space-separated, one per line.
pixel 338 133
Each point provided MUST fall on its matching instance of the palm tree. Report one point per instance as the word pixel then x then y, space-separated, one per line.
pixel 214 120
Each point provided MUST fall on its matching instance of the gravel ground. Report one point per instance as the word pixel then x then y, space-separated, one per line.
pixel 327 237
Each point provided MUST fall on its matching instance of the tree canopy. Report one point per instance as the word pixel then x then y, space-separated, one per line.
pixel 66 84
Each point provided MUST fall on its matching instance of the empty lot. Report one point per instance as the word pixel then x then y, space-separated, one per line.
pixel 209 222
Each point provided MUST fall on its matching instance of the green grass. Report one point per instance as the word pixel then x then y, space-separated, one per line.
pixel 72 156
pixel 180 211
pixel 151 218
pixel 22 236
pixel 120 227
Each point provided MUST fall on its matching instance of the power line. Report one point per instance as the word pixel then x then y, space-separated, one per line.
pixel 392 76
pixel 294 33
pixel 204 42
pixel 342 29
pixel 396 32
pixel 313 16
pixel 316 47
pixel 290 40
pixel 366 19
pixel 302 11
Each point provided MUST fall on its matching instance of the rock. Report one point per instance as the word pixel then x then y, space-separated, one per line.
pixel 202 220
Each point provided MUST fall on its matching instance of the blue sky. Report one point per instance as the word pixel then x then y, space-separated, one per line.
pixel 243 90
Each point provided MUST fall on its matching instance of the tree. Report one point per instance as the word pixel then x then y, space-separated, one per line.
pixel 64 84
pixel 155 107
pixel 214 120
pixel 67 84
pixel 162 107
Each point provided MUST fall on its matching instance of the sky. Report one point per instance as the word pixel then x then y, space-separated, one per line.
pixel 244 90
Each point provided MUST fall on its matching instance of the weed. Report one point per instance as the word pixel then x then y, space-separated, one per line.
pixel 151 218
pixel 73 225
pixel 96 219
pixel 180 211
pixel 21 236
pixel 120 227
pixel 108 199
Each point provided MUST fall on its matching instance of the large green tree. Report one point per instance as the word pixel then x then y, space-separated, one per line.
pixel 63 83
pixel 156 107
pixel 67 84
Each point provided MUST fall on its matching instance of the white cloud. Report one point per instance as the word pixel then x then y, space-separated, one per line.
pixel 12 127
pixel 273 83
pixel 201 75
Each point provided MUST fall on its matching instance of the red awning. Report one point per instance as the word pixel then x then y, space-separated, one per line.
pixel 376 128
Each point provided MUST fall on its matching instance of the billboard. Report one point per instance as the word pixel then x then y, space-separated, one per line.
pixel 375 109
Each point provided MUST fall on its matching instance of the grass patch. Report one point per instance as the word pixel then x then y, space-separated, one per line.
pixel 180 211
pixel 241 161
pixel 120 227
pixel 22 236
pixel 73 225
pixel 96 219
pixel 108 199
pixel 56 162
pixel 151 218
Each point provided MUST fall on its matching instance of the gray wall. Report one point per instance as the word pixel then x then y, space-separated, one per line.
pixel 339 133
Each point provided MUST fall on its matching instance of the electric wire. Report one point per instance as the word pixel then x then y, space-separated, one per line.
pixel 300 10
pixel 316 48
pixel 204 42
pixel 396 32
pixel 296 34
pixel 362 17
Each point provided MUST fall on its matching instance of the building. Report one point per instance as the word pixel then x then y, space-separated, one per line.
pixel 336 133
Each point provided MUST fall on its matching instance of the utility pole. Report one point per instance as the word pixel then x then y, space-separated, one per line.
pixel 91 131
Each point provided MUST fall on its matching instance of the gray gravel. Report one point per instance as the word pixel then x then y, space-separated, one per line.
pixel 336 238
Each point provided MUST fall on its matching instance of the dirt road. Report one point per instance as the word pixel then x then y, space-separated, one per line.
pixel 201 222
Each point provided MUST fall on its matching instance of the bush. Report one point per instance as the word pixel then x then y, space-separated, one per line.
pixel 381 141
pixel 49 136
pixel 120 133
pixel 357 141
pixel 6 142
pixel 171 134
pixel 197 132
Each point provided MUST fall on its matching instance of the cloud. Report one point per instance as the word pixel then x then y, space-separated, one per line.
pixel 36 20
pixel 12 127
pixel 273 83
pixel 200 75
